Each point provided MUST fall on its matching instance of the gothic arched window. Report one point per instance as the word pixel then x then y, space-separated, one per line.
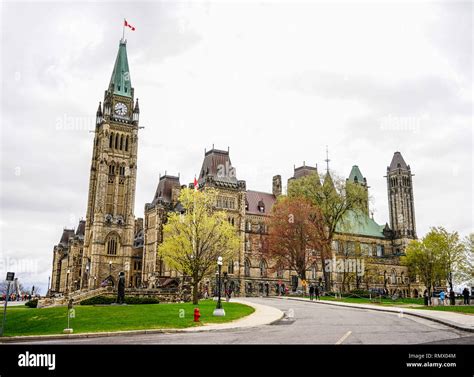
pixel 121 142
pixel 247 267
pixel 111 140
pixel 126 144
pixel 112 245
pixel 263 268
pixel 116 141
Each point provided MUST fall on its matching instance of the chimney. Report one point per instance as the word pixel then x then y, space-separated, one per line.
pixel 276 187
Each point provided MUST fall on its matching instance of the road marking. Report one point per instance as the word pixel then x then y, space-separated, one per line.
pixel 346 335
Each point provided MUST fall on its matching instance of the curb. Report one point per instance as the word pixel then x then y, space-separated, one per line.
pixel 204 328
pixel 389 310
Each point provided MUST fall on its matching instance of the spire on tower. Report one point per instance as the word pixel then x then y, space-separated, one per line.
pixel 327 159
pixel 99 110
pixel 120 81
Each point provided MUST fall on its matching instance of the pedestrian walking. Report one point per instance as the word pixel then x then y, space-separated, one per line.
pixel 425 297
pixel 441 297
pixel 316 293
pixel 311 292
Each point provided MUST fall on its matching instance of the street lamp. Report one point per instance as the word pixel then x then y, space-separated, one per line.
pixel 67 280
pixel 86 280
pixel 218 311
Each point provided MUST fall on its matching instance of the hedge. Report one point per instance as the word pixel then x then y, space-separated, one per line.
pixel 107 300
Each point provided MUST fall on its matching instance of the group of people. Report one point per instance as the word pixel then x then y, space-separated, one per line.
pixel 452 297
pixel 17 297
pixel 314 292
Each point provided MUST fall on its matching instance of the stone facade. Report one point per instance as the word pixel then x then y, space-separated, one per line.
pixel 111 240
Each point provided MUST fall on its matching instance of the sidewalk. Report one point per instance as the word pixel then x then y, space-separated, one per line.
pixel 458 321
pixel 263 315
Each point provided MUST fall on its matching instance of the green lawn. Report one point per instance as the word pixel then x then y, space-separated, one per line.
pixel 458 308
pixel 411 303
pixel 384 301
pixel 27 321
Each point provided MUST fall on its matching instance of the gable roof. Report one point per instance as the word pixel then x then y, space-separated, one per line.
pixel 256 198
pixel 164 189
pixel 217 164
pixel 398 162
pixel 356 175
pixel 358 223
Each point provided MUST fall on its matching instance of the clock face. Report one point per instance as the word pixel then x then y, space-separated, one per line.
pixel 120 108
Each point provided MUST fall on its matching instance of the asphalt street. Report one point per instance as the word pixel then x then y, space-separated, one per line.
pixel 311 324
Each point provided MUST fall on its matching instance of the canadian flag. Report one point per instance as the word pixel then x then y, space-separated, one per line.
pixel 127 24
pixel 195 184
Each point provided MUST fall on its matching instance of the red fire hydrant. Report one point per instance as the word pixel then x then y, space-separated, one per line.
pixel 197 314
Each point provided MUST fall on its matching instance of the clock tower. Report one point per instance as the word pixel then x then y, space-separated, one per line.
pixel 109 230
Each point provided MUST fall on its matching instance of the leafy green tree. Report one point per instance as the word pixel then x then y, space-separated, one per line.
pixel 466 272
pixel 454 256
pixel 335 198
pixel 425 258
pixel 195 239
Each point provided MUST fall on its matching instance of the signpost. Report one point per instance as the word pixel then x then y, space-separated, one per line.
pixel 10 277
pixel 71 313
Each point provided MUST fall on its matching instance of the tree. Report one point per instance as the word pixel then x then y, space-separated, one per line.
pixel 425 259
pixel 295 233
pixel 466 272
pixel 193 240
pixel 453 251
pixel 335 198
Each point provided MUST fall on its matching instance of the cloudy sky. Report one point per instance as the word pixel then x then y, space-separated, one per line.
pixel 274 81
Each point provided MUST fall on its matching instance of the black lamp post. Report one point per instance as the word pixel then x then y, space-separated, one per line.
pixel 67 280
pixel 218 311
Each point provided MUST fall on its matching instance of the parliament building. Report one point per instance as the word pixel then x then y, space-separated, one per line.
pixel 111 240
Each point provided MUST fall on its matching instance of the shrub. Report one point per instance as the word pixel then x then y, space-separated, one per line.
pixel 107 300
pixel 98 300
pixel 32 303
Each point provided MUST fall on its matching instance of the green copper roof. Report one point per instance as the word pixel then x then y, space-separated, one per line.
pixel 121 74
pixel 356 175
pixel 361 224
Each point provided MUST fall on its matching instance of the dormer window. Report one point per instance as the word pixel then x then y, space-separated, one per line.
pixel 261 207
pixel 246 205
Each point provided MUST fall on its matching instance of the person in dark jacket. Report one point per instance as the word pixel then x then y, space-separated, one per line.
pixel 316 293
pixel 311 292
pixel 452 297
pixel 466 295
pixel 425 297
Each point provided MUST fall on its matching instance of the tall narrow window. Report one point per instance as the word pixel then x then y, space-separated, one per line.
pixel 111 140
pixel 126 144
pixel 112 245
pixel 121 142
pixel 116 141
pixel 247 267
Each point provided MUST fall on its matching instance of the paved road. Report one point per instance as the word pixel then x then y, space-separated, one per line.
pixel 312 324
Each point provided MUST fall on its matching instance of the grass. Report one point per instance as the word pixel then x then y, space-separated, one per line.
pixel 458 309
pixel 384 301
pixel 47 321
pixel 411 303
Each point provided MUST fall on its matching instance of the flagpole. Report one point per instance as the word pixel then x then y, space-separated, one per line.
pixel 123 30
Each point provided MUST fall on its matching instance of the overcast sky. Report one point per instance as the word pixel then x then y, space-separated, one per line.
pixel 275 82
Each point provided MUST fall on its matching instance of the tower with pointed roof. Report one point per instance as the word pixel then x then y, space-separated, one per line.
pixel 401 202
pixel 109 228
pixel 357 178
